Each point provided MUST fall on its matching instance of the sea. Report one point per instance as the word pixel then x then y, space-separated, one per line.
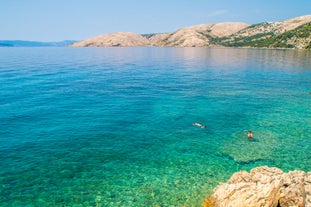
pixel 121 127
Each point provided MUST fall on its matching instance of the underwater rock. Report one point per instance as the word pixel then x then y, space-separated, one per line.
pixel 243 150
pixel 263 186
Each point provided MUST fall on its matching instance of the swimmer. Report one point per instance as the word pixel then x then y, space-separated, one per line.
pixel 250 134
pixel 199 125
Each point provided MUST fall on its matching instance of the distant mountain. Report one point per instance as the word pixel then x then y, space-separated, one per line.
pixel 292 33
pixel 22 43
pixel 118 39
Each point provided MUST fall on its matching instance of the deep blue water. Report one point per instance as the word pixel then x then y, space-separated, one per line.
pixel 114 126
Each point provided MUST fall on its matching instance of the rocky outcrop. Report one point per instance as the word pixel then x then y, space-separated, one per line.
pixel 118 39
pixel 265 187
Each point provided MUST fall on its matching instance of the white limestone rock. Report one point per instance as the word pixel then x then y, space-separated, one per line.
pixel 265 187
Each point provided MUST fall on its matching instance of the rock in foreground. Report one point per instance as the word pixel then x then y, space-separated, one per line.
pixel 265 187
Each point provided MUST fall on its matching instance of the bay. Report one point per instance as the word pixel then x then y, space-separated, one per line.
pixel 114 126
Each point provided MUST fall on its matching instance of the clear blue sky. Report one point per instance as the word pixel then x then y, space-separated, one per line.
pixel 55 20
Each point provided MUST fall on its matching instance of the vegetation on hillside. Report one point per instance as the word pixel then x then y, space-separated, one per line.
pixel 262 35
pixel 268 39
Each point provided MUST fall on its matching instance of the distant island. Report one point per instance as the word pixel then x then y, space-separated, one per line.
pixel 291 33
pixel 22 43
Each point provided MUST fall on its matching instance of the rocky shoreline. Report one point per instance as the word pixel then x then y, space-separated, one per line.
pixel 265 187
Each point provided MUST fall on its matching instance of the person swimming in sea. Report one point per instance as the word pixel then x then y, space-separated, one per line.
pixel 199 125
pixel 250 134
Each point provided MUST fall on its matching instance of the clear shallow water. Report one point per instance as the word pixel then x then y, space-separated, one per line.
pixel 113 126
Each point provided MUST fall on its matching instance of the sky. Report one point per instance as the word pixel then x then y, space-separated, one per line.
pixel 57 20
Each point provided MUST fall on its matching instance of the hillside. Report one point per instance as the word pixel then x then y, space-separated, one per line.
pixel 118 39
pixel 197 36
pixel 291 33
pixel 299 38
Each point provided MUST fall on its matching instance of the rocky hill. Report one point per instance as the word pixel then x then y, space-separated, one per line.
pixel 292 33
pixel 118 39
pixel 263 186
pixel 196 36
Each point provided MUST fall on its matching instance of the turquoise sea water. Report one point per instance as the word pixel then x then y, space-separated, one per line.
pixel 114 126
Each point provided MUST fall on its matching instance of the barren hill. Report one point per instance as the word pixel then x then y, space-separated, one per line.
pixel 185 37
pixel 118 39
pixel 291 33
pixel 197 36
